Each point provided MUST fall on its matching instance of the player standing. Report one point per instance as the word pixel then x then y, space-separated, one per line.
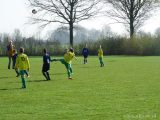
pixel 14 60
pixel 100 55
pixel 85 53
pixel 10 48
pixel 46 64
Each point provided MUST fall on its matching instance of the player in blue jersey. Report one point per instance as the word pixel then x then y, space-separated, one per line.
pixel 85 53
pixel 14 57
pixel 46 64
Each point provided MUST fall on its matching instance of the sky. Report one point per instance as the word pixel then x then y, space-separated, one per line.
pixel 14 15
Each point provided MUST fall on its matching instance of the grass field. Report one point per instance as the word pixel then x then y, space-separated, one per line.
pixel 127 88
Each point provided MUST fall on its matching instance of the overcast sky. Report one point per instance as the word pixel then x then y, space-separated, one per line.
pixel 14 15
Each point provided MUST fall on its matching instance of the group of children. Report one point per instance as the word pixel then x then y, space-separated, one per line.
pixel 85 53
pixel 21 62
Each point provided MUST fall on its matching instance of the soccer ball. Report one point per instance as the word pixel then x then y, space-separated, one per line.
pixel 34 11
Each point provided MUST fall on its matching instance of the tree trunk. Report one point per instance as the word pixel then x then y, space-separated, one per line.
pixel 71 33
pixel 131 28
pixel 131 20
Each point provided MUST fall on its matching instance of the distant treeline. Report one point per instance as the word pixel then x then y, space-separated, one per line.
pixel 32 46
pixel 142 44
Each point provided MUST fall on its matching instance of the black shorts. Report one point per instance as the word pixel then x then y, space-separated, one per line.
pixel 14 62
pixel 45 67
pixel 85 56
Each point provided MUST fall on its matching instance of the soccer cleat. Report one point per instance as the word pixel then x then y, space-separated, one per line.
pixel 28 76
pixel 70 78
pixel 23 87
pixel 54 60
pixel 17 76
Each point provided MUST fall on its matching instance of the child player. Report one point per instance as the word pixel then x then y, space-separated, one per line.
pixel 14 60
pixel 22 63
pixel 85 53
pixel 14 57
pixel 46 64
pixel 100 55
pixel 68 56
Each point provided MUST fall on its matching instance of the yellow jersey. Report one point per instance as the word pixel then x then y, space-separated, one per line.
pixel 22 62
pixel 69 56
pixel 100 52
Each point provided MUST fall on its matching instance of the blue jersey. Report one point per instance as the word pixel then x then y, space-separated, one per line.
pixel 15 56
pixel 46 58
pixel 85 51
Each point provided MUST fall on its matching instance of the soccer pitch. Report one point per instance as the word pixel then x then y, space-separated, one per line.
pixel 127 88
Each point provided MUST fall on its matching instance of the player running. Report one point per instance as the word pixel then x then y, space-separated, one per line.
pixel 22 63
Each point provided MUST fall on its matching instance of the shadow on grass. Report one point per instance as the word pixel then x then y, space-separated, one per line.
pixel 10 77
pixel 3 77
pixel 112 61
pixel 6 89
pixel 37 80
pixel 57 73
pixel 29 81
pixel 89 67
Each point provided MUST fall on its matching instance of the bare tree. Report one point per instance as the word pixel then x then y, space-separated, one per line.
pixel 132 13
pixel 66 12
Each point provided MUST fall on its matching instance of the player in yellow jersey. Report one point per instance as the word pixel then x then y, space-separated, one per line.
pixel 22 63
pixel 100 55
pixel 68 56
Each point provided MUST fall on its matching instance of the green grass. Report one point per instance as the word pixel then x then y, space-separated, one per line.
pixel 127 88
